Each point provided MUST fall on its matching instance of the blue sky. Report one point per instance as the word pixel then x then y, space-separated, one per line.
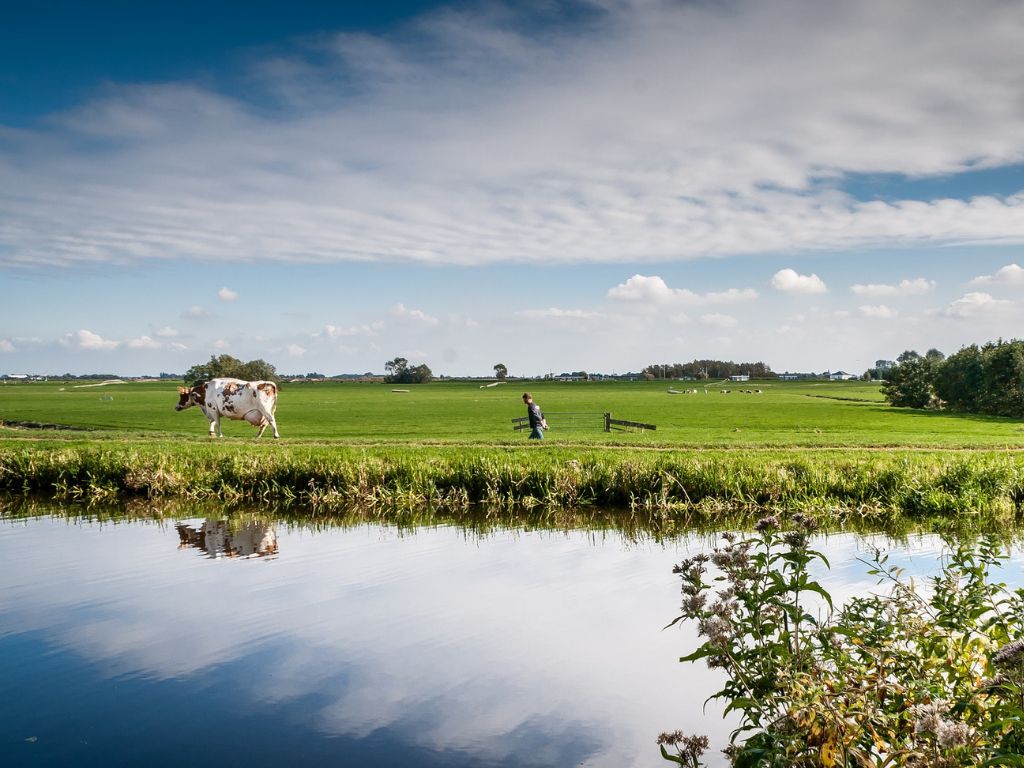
pixel 556 186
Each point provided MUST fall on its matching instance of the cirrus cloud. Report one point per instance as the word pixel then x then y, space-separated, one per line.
pixel 626 138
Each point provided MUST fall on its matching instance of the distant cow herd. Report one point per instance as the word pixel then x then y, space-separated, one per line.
pixel 253 401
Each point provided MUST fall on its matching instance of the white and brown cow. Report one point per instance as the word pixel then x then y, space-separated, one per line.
pixel 254 401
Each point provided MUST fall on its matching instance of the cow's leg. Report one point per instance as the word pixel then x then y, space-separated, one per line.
pixel 268 417
pixel 213 428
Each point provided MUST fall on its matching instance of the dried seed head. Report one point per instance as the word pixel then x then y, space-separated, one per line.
pixel 1010 654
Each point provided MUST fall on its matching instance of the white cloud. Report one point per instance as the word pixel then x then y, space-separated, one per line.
pixel 789 281
pixel 178 346
pixel 467 322
pixel 977 304
pixel 226 294
pixel 167 332
pixel 6 346
pixel 143 342
pixel 629 138
pixel 196 311
pixel 415 315
pixel 220 344
pixel 877 311
pixel 1011 274
pixel 652 289
pixel 719 321
pixel 554 313
pixel 916 287
pixel 643 288
pixel 366 329
pixel 294 350
pixel 89 340
pixel 730 296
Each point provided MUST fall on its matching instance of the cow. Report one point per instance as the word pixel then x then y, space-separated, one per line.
pixel 254 401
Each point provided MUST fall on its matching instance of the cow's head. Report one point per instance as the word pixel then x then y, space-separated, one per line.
pixel 189 397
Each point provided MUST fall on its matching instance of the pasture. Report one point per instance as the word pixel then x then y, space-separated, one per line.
pixel 834 448
pixel 784 415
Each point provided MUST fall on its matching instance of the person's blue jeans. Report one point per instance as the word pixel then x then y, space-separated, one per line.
pixel 537 434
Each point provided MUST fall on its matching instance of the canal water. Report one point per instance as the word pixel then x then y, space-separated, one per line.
pixel 195 642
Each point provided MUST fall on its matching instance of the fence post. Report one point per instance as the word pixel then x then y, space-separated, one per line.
pixel 608 422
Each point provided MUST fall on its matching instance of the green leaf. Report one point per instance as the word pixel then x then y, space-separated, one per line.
pixel 1004 760
pixel 670 758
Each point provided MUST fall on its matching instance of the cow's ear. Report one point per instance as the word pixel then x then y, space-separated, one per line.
pixel 182 390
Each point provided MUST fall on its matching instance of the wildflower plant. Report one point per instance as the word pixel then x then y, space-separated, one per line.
pixel 928 675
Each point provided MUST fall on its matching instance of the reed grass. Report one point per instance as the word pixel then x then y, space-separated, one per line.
pixel 840 484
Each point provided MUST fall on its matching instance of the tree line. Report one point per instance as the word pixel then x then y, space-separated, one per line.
pixel 708 369
pixel 987 380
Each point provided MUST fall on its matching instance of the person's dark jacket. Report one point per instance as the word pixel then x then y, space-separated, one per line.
pixel 534 412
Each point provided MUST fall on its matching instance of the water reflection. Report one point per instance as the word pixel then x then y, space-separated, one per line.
pixel 364 646
pixel 217 538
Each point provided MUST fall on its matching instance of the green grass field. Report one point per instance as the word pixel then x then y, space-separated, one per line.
pixel 787 414
pixel 834 448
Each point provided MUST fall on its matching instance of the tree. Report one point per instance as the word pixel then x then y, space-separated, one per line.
pixel 396 370
pixel 1004 379
pixel 960 380
pixel 228 367
pixel 501 371
pixel 909 384
pixel 258 370
pixel 399 372
pixel 420 374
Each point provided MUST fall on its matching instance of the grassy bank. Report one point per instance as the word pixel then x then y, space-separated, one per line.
pixel 839 483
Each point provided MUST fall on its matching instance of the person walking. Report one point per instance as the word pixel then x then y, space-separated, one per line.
pixel 537 421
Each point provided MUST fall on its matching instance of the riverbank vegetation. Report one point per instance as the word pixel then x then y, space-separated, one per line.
pixel 836 483
pixel 929 675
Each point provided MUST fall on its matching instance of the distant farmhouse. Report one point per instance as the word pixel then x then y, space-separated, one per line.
pixel 827 375
pixel 740 377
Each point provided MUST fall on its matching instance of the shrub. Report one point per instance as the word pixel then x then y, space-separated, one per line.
pixel 909 677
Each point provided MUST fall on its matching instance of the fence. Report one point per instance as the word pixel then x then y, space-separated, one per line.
pixel 582 420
